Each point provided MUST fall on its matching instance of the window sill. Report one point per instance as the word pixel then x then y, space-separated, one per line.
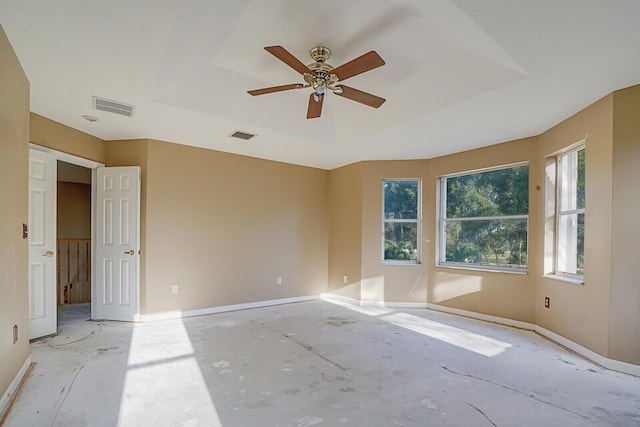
pixel 559 278
pixel 488 269
pixel 401 263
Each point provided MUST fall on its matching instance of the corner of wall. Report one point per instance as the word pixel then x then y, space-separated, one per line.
pixel 581 312
pixel 345 231
pixel 624 322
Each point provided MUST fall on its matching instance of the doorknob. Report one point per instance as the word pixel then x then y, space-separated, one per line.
pixel 48 254
pixel 131 252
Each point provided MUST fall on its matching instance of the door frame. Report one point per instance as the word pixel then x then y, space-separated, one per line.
pixel 89 164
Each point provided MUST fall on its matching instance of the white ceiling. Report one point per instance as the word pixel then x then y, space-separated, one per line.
pixel 459 74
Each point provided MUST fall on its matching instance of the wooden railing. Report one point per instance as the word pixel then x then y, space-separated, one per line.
pixel 74 275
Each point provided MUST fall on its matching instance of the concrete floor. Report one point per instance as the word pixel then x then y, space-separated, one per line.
pixel 315 363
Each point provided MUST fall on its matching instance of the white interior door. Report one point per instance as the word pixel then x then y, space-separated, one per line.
pixel 116 294
pixel 42 244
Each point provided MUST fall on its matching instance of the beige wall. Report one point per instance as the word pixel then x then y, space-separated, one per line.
pixel 223 227
pixel 624 329
pixel 355 194
pixel 581 312
pixel 384 282
pixel 74 210
pixel 508 295
pixel 14 184
pixel 54 135
pixel 345 230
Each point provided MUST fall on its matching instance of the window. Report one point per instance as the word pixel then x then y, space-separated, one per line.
pixel 401 220
pixel 484 219
pixel 570 213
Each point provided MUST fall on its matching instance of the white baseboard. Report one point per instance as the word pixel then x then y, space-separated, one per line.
pixel 166 315
pixel 13 387
pixel 485 317
pixel 389 304
pixel 339 298
pixel 386 304
pixel 614 365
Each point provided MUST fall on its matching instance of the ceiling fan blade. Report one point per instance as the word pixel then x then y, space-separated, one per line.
pixel 361 64
pixel 360 96
pixel 275 89
pixel 315 107
pixel 285 56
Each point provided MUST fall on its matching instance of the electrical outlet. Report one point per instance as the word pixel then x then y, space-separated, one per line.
pixel 174 289
pixel 15 334
pixel 279 280
pixel 547 302
pixel 345 278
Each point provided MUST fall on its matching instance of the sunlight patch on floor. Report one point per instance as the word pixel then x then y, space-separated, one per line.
pixel 162 362
pixel 455 336
pixel 459 337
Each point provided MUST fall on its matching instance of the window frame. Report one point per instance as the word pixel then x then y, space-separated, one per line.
pixel 558 214
pixel 417 221
pixel 442 221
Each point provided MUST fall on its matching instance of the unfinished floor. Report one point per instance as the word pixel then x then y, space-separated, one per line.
pixel 315 363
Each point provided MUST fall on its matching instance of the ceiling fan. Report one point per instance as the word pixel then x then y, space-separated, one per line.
pixel 322 77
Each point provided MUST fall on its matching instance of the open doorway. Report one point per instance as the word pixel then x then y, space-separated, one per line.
pixel 114 195
pixel 73 242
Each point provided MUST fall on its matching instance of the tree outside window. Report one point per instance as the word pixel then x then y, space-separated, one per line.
pixel 401 199
pixel 484 219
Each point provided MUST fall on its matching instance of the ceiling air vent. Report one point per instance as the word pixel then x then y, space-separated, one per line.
pixel 242 135
pixel 111 106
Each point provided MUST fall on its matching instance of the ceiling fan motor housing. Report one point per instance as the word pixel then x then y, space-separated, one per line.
pixel 321 77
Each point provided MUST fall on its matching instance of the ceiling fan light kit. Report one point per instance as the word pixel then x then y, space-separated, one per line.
pixel 322 77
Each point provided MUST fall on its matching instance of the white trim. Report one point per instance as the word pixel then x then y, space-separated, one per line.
pixel 13 387
pixel 624 367
pixel 388 304
pixel 568 148
pixel 69 158
pixel 93 165
pixel 339 298
pixel 417 221
pixel 487 169
pixel 442 219
pixel 583 351
pixel 223 308
pixel 614 365
pixel 561 278
pixel 484 317
pixel 558 213
pixel 480 267
pixel 358 303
